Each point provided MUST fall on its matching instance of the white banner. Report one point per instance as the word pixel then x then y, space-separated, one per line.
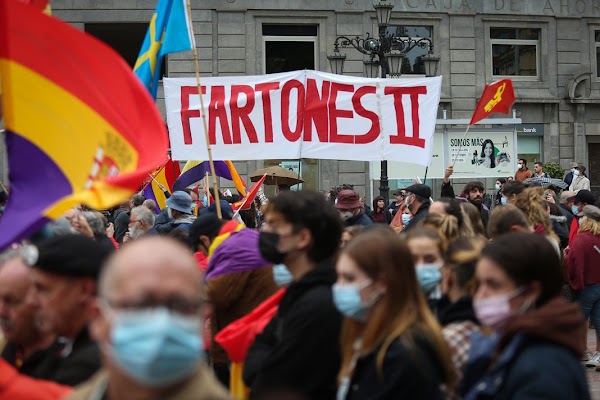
pixel 304 114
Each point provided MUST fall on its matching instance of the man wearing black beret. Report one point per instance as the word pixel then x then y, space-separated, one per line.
pixel 64 286
pixel 417 202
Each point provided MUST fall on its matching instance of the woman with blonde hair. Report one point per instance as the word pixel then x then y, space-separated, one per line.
pixel 532 202
pixel 582 260
pixel 445 224
pixel 392 346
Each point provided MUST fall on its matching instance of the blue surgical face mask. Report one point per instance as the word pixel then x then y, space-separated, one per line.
pixel 429 276
pixel 282 276
pixel 503 200
pixel 574 209
pixel 205 201
pixel 348 302
pixel 156 347
pixel 498 186
pixel 405 218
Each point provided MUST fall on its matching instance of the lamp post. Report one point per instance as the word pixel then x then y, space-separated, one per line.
pixel 385 54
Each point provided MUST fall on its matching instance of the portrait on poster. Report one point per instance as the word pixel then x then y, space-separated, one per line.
pixel 485 155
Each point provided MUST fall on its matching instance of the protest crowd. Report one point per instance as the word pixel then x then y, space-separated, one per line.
pixel 142 280
pixel 307 297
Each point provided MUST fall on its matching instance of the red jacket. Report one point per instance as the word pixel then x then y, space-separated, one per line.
pixel 14 386
pixel 583 261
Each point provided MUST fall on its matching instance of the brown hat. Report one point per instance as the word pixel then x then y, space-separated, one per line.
pixel 347 199
pixel 591 212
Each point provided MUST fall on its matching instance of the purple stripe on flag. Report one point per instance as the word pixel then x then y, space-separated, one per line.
pixel 198 173
pixel 36 182
pixel 149 195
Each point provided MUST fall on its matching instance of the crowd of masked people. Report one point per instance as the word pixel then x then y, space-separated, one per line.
pixel 453 301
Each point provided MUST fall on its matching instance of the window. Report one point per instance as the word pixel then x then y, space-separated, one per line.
pixel 515 51
pixel 125 38
pixel 412 64
pixel 289 47
pixel 597 34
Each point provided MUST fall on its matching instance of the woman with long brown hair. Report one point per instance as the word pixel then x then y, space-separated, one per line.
pixel 392 345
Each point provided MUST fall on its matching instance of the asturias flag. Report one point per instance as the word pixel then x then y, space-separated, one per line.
pixel 169 32
pixel 194 171
pixel 80 127
pixel 497 97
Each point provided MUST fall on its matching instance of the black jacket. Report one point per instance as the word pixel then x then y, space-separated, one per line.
pixel 461 310
pixel 121 224
pixel 299 350
pixel 71 367
pixel 566 212
pixel 409 371
pixel 569 178
pixel 31 366
pixel 418 217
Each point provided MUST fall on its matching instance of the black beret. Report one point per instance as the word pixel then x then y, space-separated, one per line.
pixel 71 255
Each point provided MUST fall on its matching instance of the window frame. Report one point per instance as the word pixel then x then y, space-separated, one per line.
pixel 516 42
pixel 271 38
pixel 595 51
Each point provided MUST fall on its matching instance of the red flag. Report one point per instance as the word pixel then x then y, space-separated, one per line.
pixel 42 5
pixel 497 97
pixel 246 202
pixel 237 337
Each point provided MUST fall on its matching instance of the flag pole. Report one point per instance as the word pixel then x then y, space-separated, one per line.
pixel 3 187
pixel 208 147
pixel 460 146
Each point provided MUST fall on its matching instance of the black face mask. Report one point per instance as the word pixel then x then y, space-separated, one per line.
pixel 267 244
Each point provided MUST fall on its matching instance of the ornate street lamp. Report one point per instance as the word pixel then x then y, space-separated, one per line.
pixel 385 54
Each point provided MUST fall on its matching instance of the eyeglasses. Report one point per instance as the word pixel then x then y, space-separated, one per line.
pixel 176 304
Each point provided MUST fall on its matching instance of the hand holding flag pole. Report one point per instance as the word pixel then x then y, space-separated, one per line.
pixel 497 97
pixel 203 113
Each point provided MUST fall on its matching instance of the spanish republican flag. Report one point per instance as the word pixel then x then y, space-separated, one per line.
pixel 80 127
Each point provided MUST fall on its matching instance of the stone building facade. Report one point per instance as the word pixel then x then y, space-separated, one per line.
pixel 550 48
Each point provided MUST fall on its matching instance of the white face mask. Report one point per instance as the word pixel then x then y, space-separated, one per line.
pixel 575 172
pixel 346 215
pixel 519 166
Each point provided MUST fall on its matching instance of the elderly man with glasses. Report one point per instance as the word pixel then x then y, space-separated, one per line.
pixel 148 324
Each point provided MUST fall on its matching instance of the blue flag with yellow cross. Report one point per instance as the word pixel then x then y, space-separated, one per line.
pixel 169 32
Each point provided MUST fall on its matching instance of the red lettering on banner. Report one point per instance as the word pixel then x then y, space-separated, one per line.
pixel 334 113
pixel 242 113
pixel 373 133
pixel 217 110
pixel 413 92
pixel 286 91
pixel 265 89
pixel 315 110
pixel 186 113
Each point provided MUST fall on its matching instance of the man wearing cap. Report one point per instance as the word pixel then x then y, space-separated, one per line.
pixel 64 286
pixel 580 200
pixel 27 343
pixel 350 209
pixel 417 201
pixel 147 322
pixel 181 210
pixel 392 209
pixel 580 181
